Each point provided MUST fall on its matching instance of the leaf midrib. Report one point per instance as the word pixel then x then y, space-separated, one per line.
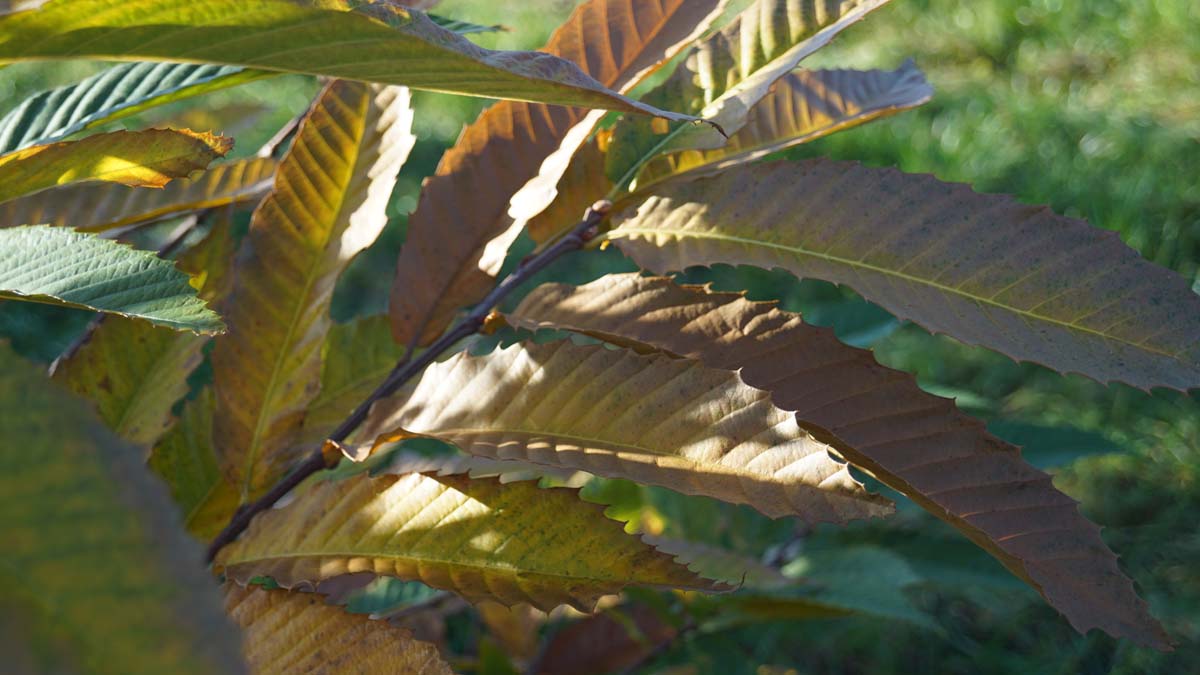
pixel 623 232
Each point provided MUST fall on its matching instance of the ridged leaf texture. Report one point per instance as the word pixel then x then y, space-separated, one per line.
pixel 136 158
pixel 97 577
pixel 185 460
pixel 327 205
pixel 512 543
pixel 880 420
pixel 802 106
pixel 57 266
pixel 650 419
pixel 727 73
pixel 291 632
pixel 122 90
pixel 983 269
pixel 462 227
pixel 96 207
pixel 375 42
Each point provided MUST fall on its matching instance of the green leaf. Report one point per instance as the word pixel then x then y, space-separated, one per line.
pixel 513 543
pixel 327 205
pixel 96 575
pixel 374 42
pixel 149 158
pixel 614 413
pixel 983 269
pixel 727 74
pixel 58 266
pixel 95 207
pixel 122 90
pixel 464 27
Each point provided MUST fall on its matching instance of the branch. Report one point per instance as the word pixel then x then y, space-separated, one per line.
pixel 408 368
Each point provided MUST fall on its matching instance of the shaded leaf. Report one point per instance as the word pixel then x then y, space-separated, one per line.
pixel 327 205
pixel 135 158
pixel 614 641
pixel 59 266
pixel 735 569
pixel 617 414
pixel 463 27
pixel 135 373
pixel 880 420
pixel 187 463
pixel 583 182
pixel 802 106
pixel 981 268
pixel 462 227
pixel 291 632
pixel 101 206
pixel 376 42
pixel 122 90
pixel 511 543
pixel 728 73
pixel 96 576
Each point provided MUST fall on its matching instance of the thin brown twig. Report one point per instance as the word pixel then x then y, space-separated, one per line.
pixel 409 367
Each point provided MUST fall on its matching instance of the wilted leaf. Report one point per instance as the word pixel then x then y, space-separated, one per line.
pixel 291 632
pixel 803 106
pixel 122 90
pixel 100 206
pixel 135 373
pixel 136 158
pixel 483 540
pixel 981 268
pixel 375 42
pixel 327 205
pixel 462 227
pixel 650 419
pixel 186 461
pixel 915 442
pixel 728 73
pixel 97 576
pixel 59 266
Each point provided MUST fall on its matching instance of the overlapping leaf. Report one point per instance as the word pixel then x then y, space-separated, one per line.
pixel 728 73
pixel 327 205
pixel 462 228
pixel 291 632
pixel 58 266
pixel 102 206
pixel 136 158
pixel 803 106
pixel 483 540
pixel 981 268
pixel 375 42
pixel 650 419
pixel 122 90
pixel 96 576
pixel 917 443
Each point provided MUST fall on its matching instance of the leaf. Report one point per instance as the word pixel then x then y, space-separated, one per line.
pixel 728 73
pixel 880 420
pixel 376 42
pixel 290 632
pixel 96 207
pixel 735 569
pixel 122 90
pixel 615 641
pixel 96 576
pixel 135 373
pixel 581 185
pixel 802 106
pixel 327 205
pixel 135 158
pixel 483 540
pixel 464 27
pixel 58 266
pixel 357 356
pixel 184 458
pixel 442 269
pixel 980 268
pixel 617 414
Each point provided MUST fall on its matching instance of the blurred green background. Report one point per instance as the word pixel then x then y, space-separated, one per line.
pixel 1093 108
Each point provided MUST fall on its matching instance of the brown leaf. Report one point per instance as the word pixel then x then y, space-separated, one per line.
pixel 461 229
pixel 880 420
pixel 614 641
